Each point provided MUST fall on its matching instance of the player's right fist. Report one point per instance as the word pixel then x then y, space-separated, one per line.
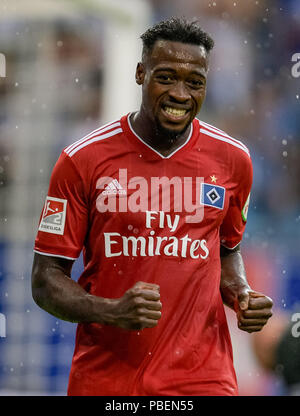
pixel 138 308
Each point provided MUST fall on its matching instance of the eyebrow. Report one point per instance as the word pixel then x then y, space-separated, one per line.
pixel 167 69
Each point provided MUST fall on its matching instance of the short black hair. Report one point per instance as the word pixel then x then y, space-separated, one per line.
pixel 176 29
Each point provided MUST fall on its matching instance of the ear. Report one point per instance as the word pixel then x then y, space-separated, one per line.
pixel 140 73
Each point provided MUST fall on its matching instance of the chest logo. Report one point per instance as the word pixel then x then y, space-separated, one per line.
pixel 212 195
pixel 114 188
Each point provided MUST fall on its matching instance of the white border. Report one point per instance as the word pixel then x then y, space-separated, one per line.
pixel 231 248
pixel 55 255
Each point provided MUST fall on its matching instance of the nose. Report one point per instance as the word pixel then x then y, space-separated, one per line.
pixel 179 92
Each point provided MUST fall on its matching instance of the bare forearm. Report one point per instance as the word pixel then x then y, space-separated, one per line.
pixel 54 291
pixel 67 300
pixel 233 276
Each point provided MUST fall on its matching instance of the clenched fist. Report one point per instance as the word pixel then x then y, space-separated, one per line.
pixel 138 308
pixel 253 310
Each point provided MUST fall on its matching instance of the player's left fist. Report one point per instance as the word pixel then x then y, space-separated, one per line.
pixel 253 310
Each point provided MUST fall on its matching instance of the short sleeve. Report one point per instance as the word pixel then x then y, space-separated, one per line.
pixel 63 221
pixel 233 225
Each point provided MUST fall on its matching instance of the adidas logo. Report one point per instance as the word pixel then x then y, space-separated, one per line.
pixel 114 188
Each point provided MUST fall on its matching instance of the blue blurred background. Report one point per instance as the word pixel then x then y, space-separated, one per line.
pixel 70 68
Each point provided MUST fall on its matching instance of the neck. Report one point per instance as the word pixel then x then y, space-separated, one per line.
pixel 163 142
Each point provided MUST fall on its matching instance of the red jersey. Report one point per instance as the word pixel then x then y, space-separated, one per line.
pixel 141 216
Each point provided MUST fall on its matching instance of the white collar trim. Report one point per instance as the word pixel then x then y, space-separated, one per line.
pixel 154 150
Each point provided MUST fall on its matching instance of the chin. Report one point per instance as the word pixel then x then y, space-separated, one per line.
pixel 170 133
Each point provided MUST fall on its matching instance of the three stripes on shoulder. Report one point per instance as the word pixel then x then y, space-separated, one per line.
pixel 113 128
pixel 108 130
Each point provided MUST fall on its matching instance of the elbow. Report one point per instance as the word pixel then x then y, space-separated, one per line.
pixel 38 289
pixel 36 296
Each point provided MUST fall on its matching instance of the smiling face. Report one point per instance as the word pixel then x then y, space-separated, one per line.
pixel 173 78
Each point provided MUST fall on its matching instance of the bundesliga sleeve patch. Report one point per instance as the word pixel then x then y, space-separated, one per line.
pixel 245 209
pixel 54 216
pixel 212 195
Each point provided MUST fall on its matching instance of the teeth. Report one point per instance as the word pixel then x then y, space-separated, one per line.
pixel 175 111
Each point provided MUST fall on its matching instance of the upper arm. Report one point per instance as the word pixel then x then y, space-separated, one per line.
pixel 234 222
pixel 224 251
pixel 64 219
pixel 44 267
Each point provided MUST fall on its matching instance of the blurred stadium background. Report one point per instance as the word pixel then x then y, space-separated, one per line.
pixel 70 68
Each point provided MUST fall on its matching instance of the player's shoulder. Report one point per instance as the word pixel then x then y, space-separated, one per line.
pixel 223 141
pixel 87 144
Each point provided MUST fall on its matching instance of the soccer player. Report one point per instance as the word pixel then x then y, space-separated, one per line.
pixel 158 202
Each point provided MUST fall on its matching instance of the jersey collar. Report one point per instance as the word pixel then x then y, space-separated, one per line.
pixel 136 136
